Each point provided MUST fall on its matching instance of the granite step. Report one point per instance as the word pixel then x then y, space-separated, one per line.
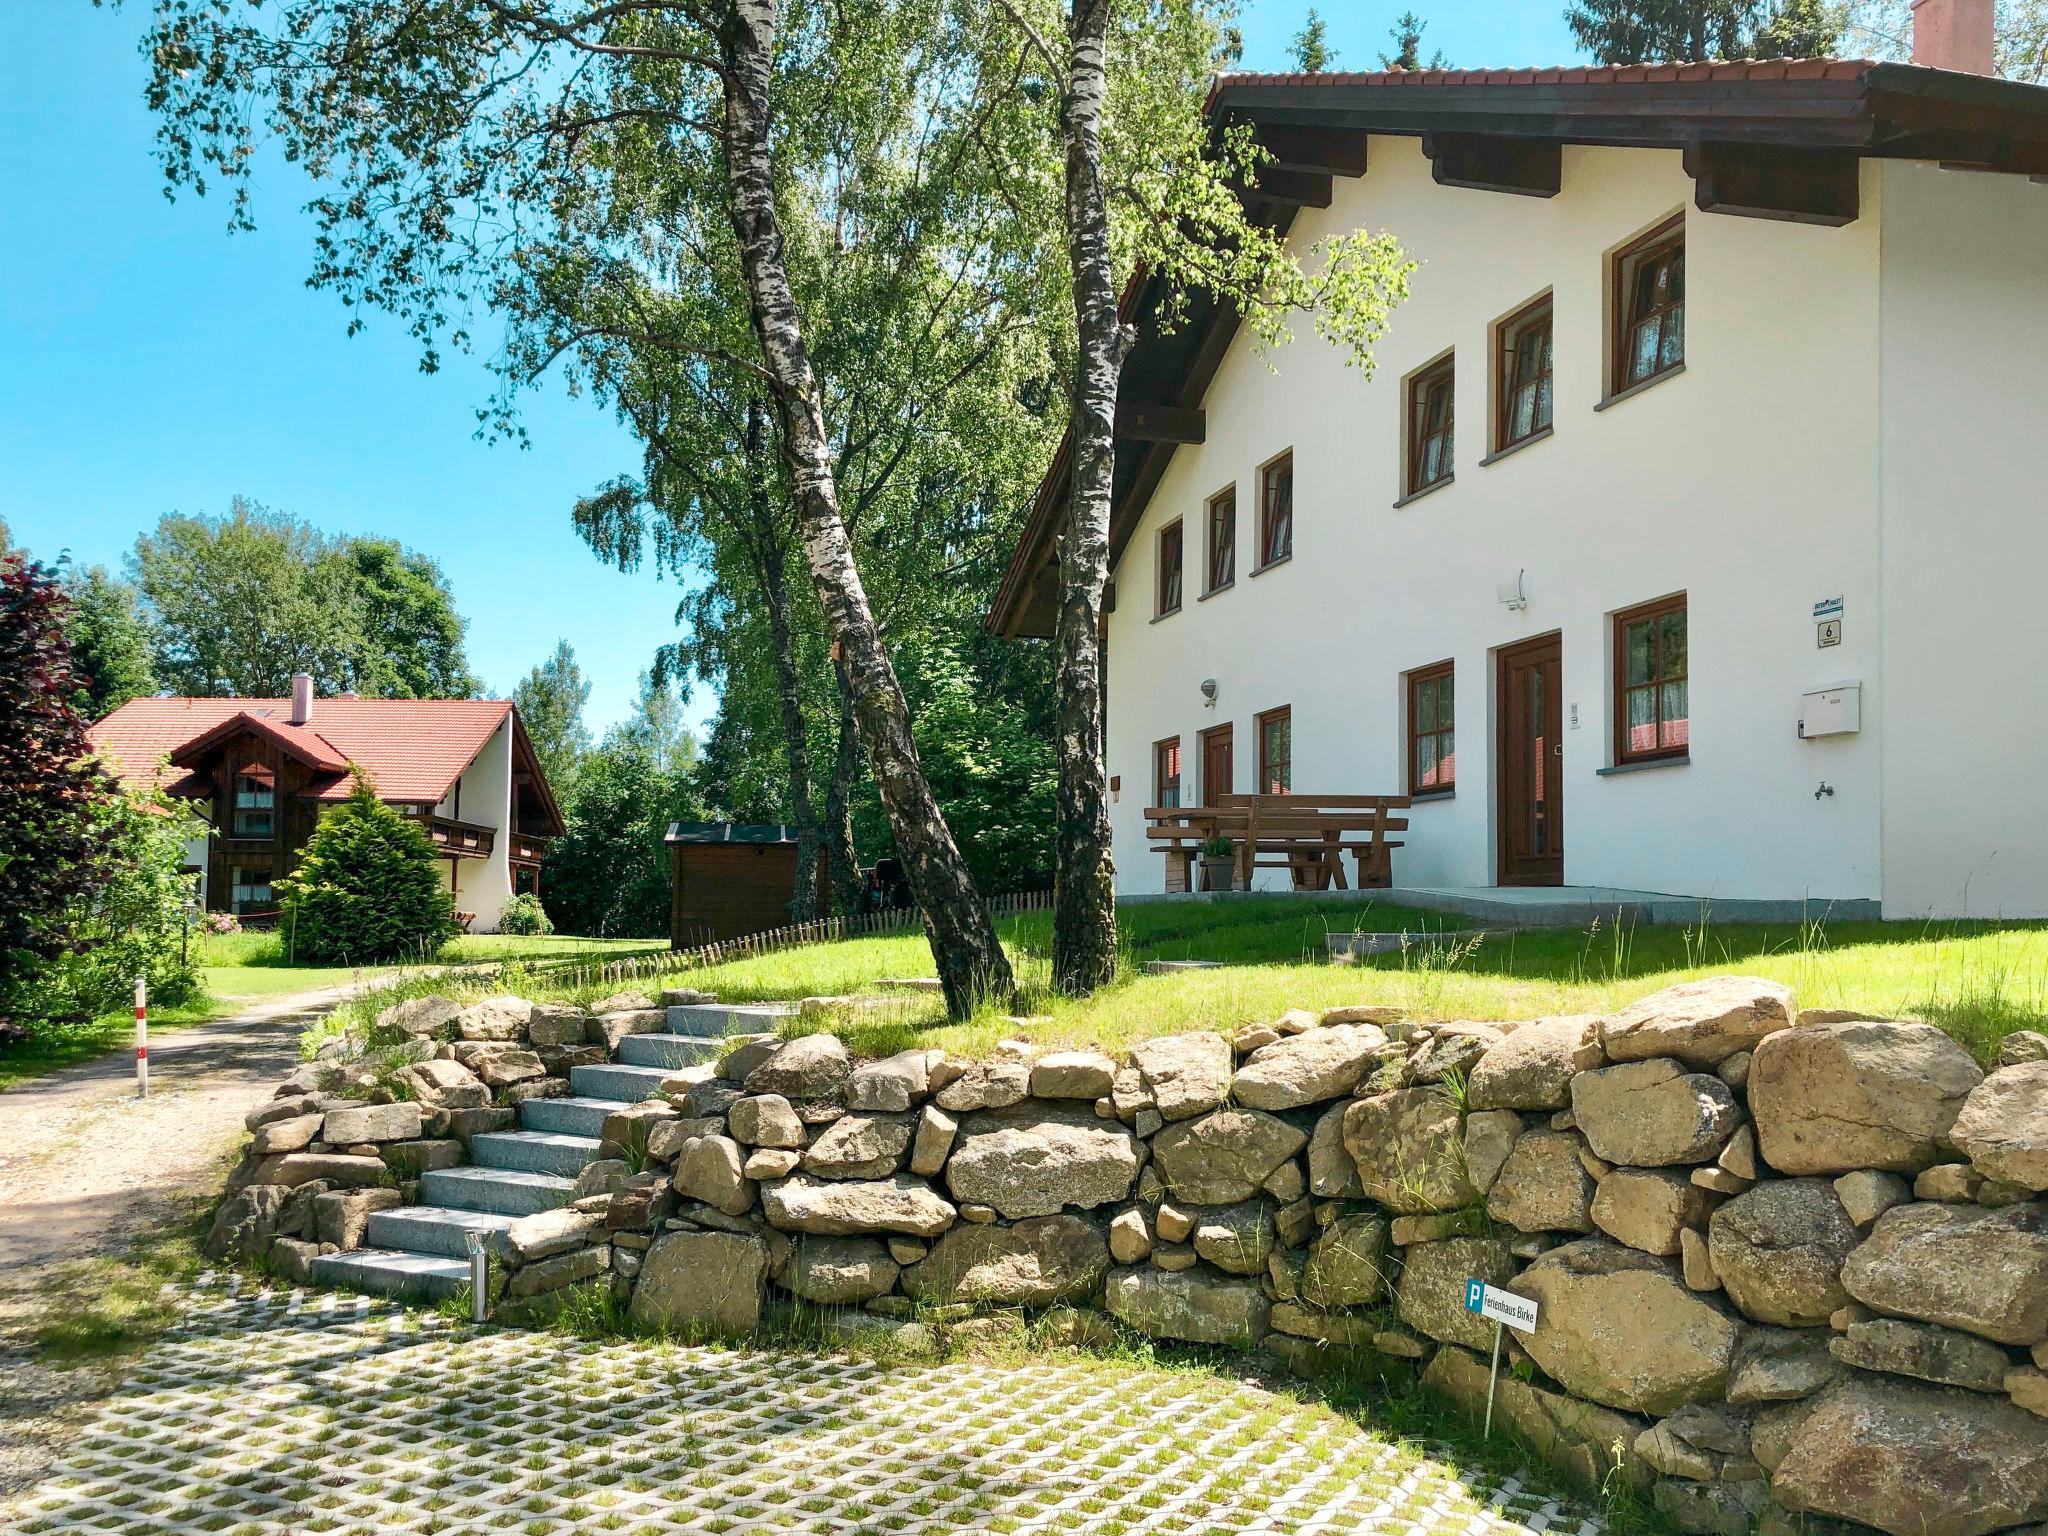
pixel 567 1117
pixel 711 1019
pixel 620 1084
pixel 435 1230
pixel 668 1051
pixel 533 1151
pixel 500 1191
pixel 391 1272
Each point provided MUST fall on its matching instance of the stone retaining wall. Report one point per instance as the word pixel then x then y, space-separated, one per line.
pixel 1793 1269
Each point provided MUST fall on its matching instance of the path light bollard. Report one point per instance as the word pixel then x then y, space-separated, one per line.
pixel 141 1038
pixel 479 1277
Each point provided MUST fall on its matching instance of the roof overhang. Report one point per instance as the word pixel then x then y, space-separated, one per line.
pixel 1777 139
pixel 297 742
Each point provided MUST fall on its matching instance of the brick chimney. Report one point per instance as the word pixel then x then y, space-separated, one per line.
pixel 302 697
pixel 1953 34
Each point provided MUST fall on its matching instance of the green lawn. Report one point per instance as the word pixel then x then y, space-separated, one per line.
pixel 240 969
pixel 1979 981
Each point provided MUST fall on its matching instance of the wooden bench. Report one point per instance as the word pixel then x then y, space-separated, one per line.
pixel 1307 835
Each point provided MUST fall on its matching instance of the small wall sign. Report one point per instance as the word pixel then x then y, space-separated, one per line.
pixel 1828 608
pixel 1499 1306
pixel 1827 632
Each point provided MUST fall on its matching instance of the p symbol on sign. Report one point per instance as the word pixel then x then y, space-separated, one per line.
pixel 1475 1295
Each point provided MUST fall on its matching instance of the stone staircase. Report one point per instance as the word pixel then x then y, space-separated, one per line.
pixel 420 1252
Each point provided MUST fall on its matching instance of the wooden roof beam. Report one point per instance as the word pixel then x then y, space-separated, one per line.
pixel 1140 421
pixel 1758 181
pixel 1330 152
pixel 1292 189
pixel 1486 163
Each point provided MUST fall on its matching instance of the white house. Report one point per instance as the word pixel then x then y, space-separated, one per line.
pixel 259 772
pixel 1690 535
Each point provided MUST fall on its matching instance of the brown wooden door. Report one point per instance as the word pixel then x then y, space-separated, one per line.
pixel 1529 708
pixel 1217 768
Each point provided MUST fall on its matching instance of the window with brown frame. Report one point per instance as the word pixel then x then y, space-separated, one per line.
pixel 1432 732
pixel 255 802
pixel 1652 717
pixel 1649 306
pixel 1431 420
pixel 1276 511
pixel 1522 390
pixel 1276 752
pixel 1166 772
pixel 1169 568
pixel 1222 567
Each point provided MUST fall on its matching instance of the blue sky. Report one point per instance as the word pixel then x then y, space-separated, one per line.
pixel 156 363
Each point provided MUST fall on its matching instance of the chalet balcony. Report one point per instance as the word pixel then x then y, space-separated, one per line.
pixel 528 849
pixel 458 839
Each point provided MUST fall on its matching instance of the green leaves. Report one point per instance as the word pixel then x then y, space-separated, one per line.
pixel 367 889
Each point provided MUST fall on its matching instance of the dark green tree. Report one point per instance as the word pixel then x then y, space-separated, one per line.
pixel 112 648
pixel 1799 29
pixel 368 888
pixel 412 637
pixel 610 875
pixel 1660 31
pixel 550 701
pixel 1311 51
pixel 1406 35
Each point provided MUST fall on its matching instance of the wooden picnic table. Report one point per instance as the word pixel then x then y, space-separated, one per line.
pixel 1307 835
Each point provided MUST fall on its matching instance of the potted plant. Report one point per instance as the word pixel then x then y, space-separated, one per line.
pixel 1219 864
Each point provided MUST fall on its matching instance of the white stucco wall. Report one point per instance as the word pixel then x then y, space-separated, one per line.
pixel 1965 467
pixel 1750 481
pixel 483 886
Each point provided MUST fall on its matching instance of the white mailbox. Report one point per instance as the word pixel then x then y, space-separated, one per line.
pixel 1836 711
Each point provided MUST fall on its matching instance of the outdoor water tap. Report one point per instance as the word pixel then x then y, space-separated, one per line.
pixel 1825 789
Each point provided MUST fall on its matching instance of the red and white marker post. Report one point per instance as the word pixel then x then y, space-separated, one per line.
pixel 141 1039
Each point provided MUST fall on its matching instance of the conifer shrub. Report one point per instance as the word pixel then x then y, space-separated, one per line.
pixel 368 889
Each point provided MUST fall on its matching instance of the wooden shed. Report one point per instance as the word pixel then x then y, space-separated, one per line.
pixel 730 879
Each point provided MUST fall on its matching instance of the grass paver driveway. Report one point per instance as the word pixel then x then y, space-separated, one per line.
pixel 277 1411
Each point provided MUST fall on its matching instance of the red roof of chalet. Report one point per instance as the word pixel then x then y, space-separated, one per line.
pixel 412 749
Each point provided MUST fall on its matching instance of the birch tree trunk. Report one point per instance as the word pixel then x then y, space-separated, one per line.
pixel 969 958
pixel 1084 874
pixel 769 554
pixel 840 852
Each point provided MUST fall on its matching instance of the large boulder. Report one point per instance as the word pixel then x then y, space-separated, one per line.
pixel 1036 1263
pixel 1533 1066
pixel 1619 1327
pixel 421 1018
pixel 860 1146
pixel 848 1207
pixel 1654 1114
pixel 712 1169
pixel 1778 1249
pixel 1701 1023
pixel 1317 1064
pixel 1347 1264
pixel 1431 1295
pixel 1033 1158
pixel 1543 1186
pixel 1410 1149
pixel 809 1067
pixel 838 1271
pixel 2003 1128
pixel 1577 1438
pixel 1186 1075
pixel 1449 1053
pixel 247 1221
pixel 1192 1305
pixel 1490 1135
pixel 1223 1157
pixel 1781 1365
pixel 765 1120
pixel 1985 1271
pixel 1916 1461
pixel 711 1281
pixel 1941 1355
pixel 1332 1170
pixel 358 1123
pixel 495 1018
pixel 1647 1208
pixel 1833 1098
pixel 440 1084
pixel 1237 1239
pixel 984 1085
pixel 889 1086
pixel 557 1024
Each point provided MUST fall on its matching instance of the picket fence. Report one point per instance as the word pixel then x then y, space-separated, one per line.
pixel 619 973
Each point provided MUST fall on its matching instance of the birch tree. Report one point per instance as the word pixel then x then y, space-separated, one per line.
pixel 1145 187
pixel 452 140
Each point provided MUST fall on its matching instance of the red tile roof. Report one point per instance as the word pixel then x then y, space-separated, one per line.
pixel 413 749
pixel 1573 74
